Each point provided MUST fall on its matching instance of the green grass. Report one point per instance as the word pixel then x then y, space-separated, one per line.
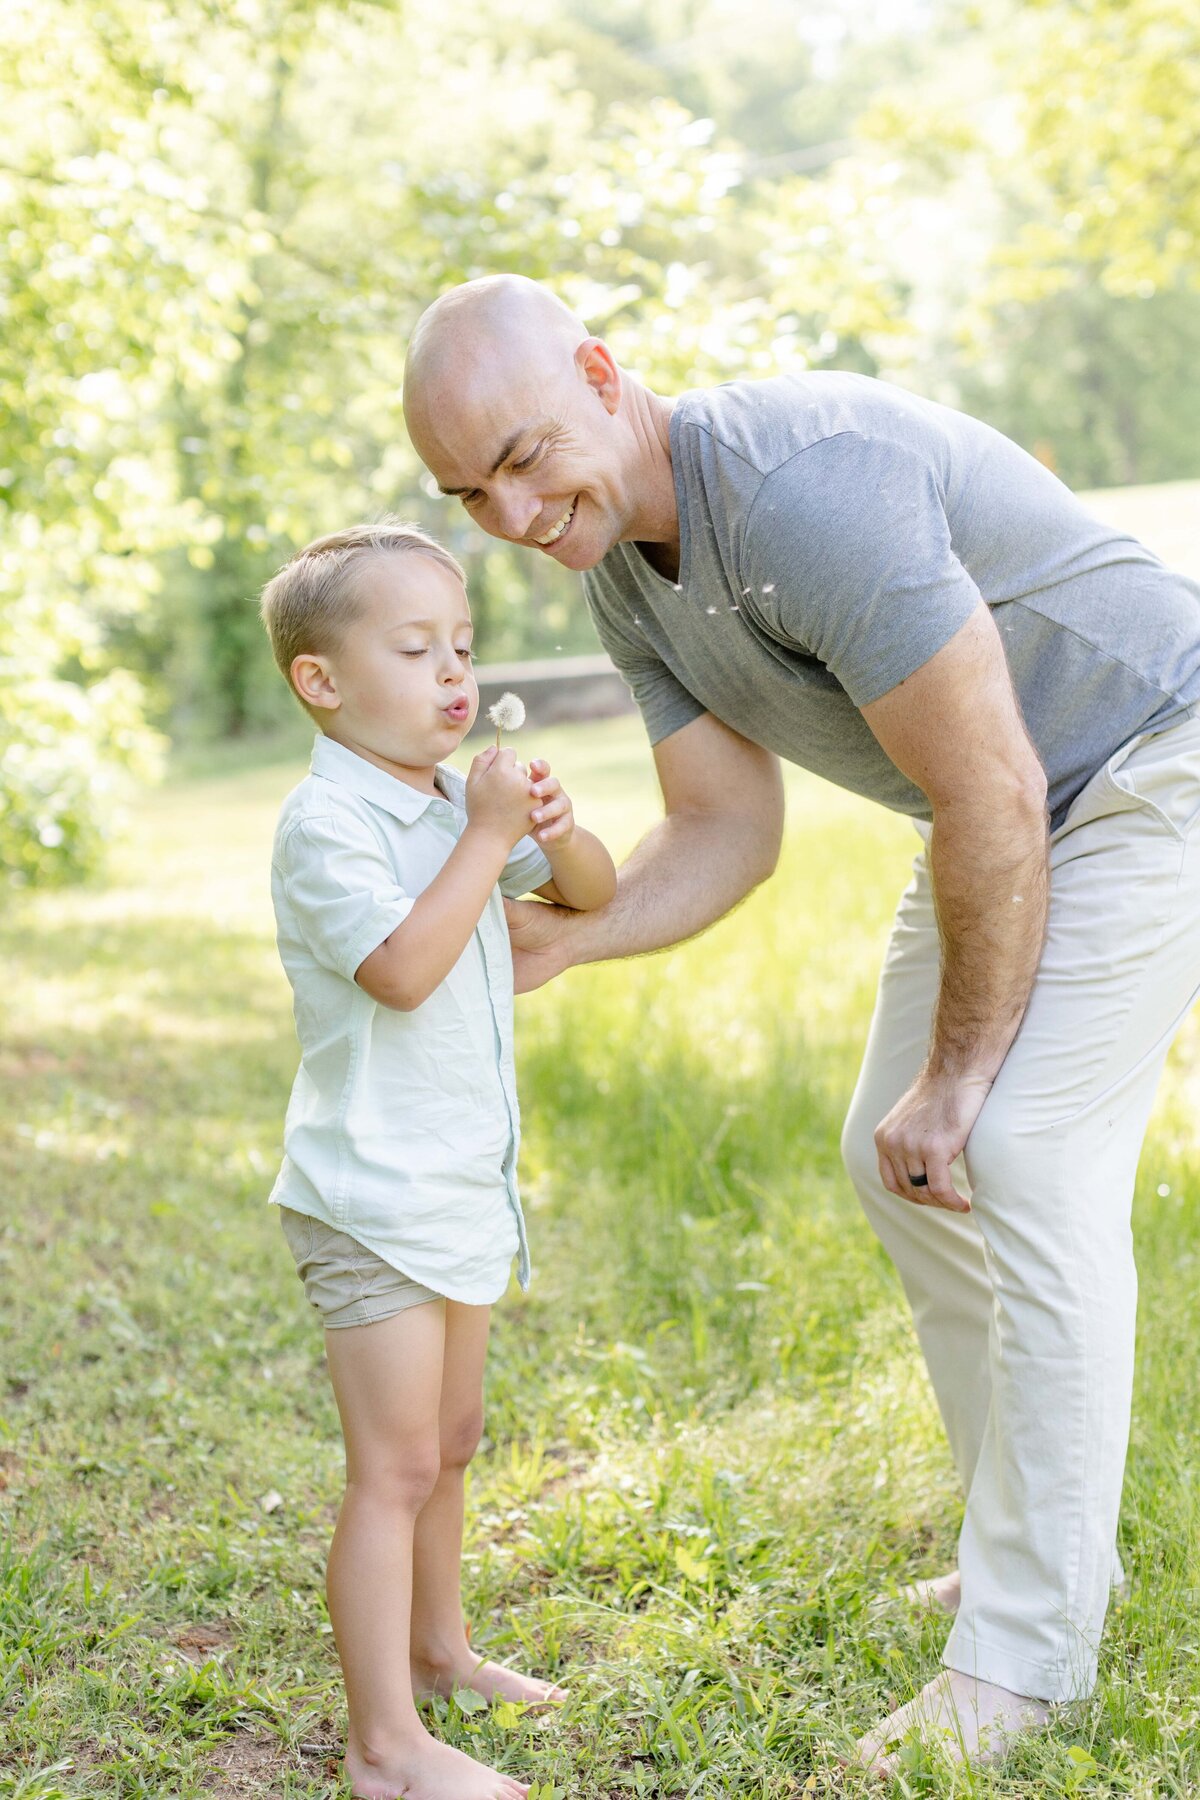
pixel 712 1454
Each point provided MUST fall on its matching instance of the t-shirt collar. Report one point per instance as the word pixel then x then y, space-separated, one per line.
pixel 334 762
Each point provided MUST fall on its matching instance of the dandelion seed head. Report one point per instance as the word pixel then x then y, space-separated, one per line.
pixel 508 714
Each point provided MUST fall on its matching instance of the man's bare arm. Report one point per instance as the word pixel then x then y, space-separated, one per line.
pixel 720 837
pixel 955 729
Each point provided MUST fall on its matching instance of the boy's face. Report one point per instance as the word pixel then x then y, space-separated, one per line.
pixel 399 687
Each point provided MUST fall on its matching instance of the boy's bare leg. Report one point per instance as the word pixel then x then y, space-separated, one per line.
pixel 387 1381
pixel 442 1658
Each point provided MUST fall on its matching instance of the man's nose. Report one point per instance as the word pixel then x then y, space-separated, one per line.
pixel 515 513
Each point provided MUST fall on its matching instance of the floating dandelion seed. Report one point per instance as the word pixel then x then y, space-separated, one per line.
pixel 711 609
pixel 508 714
pixel 770 588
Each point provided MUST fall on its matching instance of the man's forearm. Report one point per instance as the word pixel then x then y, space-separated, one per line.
pixel 685 874
pixel 991 890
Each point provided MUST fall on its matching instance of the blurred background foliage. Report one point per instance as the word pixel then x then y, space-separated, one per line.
pixel 219 220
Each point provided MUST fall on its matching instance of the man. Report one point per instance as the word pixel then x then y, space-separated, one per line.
pixel 825 568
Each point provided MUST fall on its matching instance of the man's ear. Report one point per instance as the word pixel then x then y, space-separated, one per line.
pixel 597 365
pixel 313 680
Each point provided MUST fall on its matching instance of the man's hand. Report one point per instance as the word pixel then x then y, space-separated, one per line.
pixel 539 935
pixel 924 1132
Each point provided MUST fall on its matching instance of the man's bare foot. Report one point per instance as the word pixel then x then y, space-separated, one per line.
pixel 940 1593
pixel 965 1719
pixel 943 1593
pixel 427 1770
pixel 490 1679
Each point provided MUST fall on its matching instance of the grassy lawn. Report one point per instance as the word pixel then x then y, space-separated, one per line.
pixel 712 1454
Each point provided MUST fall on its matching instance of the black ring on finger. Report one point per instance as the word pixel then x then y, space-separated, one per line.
pixel 919 1180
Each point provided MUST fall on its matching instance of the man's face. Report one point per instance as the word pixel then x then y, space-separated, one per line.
pixel 536 462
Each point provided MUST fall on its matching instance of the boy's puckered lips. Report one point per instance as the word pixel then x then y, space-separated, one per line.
pixel 459 709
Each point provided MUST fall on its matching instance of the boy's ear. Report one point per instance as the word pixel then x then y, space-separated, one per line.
pixel 313 680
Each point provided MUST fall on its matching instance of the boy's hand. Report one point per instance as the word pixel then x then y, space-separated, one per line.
pixel 553 817
pixel 499 797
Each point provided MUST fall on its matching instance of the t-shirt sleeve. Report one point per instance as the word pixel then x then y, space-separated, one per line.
pixel 848 553
pixel 342 889
pixel 527 868
pixel 665 704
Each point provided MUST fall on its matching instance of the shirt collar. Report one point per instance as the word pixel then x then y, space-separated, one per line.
pixel 334 762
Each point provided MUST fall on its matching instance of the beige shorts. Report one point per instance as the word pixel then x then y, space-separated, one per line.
pixel 347 1283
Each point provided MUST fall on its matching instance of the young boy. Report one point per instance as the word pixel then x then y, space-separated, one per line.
pixel 398 1191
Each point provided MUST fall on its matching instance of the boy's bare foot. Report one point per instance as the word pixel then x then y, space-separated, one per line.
pixel 966 1719
pixel 490 1679
pixel 427 1770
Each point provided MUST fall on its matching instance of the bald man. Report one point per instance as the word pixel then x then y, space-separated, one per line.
pixel 825 568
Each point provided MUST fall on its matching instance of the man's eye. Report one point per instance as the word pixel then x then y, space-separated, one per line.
pixel 527 462
pixel 470 499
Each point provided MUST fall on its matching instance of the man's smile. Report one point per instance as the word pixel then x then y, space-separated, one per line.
pixel 559 527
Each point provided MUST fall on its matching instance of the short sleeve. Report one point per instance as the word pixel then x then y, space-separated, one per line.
pixel 665 704
pixel 527 868
pixel 848 554
pixel 343 890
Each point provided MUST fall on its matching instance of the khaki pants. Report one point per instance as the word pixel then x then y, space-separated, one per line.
pixel 1025 1306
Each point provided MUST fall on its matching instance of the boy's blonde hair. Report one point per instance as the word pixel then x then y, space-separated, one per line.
pixel 308 605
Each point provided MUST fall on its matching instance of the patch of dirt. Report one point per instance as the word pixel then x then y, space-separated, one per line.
pixel 24 1060
pixel 248 1767
pixel 199 1642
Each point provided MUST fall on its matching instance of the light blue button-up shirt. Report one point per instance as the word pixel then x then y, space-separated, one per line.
pixel 403 1127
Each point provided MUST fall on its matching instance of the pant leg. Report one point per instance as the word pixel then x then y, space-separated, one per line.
pixel 938 1255
pixel 1052 1162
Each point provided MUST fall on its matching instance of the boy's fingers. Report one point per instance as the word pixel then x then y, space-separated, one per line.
pixel 486 758
pixel 539 767
pixel 543 789
pixel 553 809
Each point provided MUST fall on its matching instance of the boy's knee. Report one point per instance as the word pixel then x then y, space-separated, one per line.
pixel 460 1439
pixel 405 1481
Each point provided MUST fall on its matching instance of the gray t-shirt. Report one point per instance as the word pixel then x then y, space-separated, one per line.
pixel 835 533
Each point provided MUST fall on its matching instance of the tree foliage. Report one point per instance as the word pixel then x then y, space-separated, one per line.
pixel 1110 93
pixel 219 220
